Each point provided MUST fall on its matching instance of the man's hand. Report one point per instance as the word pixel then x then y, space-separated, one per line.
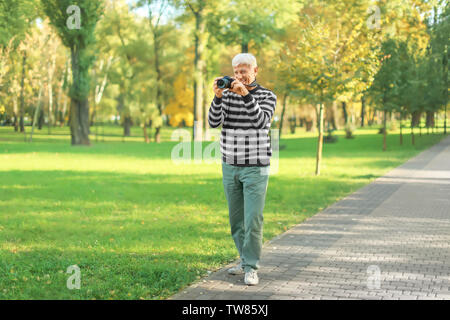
pixel 217 90
pixel 239 88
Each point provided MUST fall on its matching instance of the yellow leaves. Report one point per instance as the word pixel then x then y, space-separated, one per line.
pixel 181 106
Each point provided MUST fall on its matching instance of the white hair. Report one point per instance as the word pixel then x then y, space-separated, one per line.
pixel 244 58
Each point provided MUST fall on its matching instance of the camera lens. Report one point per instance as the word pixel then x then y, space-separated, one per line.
pixel 221 83
pixel 225 82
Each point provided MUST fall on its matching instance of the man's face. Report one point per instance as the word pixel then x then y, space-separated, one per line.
pixel 245 73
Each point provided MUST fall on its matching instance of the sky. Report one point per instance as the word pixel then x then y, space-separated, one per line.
pixel 169 12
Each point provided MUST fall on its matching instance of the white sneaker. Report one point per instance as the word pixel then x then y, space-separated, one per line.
pixel 251 278
pixel 238 269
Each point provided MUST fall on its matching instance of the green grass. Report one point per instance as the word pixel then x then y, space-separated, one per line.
pixel 141 227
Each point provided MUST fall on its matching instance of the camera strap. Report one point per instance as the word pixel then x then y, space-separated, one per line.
pixel 253 84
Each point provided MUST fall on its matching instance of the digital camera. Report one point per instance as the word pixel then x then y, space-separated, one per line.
pixel 225 82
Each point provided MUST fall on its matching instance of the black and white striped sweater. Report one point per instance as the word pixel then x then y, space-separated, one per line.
pixel 245 121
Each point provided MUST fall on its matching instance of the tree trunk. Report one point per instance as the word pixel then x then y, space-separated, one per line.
pixel 206 127
pixel 371 117
pixel 146 139
pixel 79 122
pixel 385 130
pixel 51 71
pixel 22 88
pixel 445 119
pixel 93 114
pixel 50 105
pixel 36 112
pixel 244 47
pixel 309 125
pixel 16 114
pixel 282 114
pixel 41 119
pixel 158 79
pixel 56 113
pixel 63 113
pixel 429 119
pixel 58 118
pixel 99 89
pixel 446 84
pixel 415 118
pixel 420 126
pixel 344 109
pixel 363 110
pixel 333 115
pixel 293 123
pixel 200 35
pixel 79 104
pixel 320 140
pixel 401 136
pixel 127 125
pixel 157 135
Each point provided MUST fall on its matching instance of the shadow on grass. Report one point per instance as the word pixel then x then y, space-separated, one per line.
pixel 105 191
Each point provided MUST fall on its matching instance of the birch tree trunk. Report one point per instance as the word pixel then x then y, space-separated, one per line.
pixel 36 112
pixel 200 34
pixel 51 72
pixel 22 85
pixel 320 140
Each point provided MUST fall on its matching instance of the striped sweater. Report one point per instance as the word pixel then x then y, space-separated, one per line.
pixel 245 120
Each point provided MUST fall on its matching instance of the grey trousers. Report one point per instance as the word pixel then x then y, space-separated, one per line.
pixel 245 191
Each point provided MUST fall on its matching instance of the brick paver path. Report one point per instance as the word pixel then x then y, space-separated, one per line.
pixel 388 240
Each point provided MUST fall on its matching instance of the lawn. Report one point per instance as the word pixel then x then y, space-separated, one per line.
pixel 140 226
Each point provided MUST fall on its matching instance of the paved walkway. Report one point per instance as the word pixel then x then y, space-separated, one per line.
pixel 388 240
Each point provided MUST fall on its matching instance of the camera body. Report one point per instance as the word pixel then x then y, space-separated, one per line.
pixel 225 82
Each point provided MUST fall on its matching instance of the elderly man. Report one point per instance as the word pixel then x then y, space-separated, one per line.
pixel 245 112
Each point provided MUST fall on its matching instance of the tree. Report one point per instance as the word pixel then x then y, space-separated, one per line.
pixel 16 17
pixel 235 23
pixel 387 87
pixel 326 54
pixel 404 39
pixel 439 29
pixel 179 108
pixel 201 11
pixel 156 9
pixel 77 33
pixel 4 63
pixel 100 79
